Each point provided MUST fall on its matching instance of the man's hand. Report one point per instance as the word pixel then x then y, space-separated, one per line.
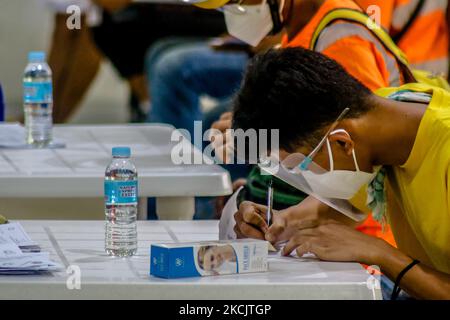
pixel 224 122
pixel 250 221
pixel 309 213
pixel 335 242
pixel 222 146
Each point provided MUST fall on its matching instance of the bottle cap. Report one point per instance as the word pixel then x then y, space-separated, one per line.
pixel 36 56
pixel 121 152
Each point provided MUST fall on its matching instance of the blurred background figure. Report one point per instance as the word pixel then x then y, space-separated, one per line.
pixel 120 31
pixel 420 29
pixel 194 80
pixel 73 58
pixel 176 62
pixel 181 72
pixel 128 29
pixel 184 73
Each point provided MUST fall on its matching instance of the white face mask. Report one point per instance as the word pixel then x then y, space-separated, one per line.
pixel 250 23
pixel 338 184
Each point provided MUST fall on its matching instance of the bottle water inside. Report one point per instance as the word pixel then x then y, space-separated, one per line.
pixel 38 100
pixel 121 200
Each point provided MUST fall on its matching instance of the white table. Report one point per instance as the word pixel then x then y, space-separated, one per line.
pixel 78 170
pixel 81 243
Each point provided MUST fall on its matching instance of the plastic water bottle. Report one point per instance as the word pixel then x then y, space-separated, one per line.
pixel 121 195
pixel 38 100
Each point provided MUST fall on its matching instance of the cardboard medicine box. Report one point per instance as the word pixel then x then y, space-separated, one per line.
pixel 198 259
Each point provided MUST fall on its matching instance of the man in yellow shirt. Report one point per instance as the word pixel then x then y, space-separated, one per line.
pixel 391 148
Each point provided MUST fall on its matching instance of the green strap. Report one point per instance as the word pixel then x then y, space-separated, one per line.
pixel 361 18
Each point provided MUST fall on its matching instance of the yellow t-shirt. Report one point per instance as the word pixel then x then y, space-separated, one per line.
pixel 418 192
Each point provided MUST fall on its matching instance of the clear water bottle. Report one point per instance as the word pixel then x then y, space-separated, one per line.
pixel 121 197
pixel 38 100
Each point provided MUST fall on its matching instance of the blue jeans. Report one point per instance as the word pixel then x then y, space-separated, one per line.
pixel 203 71
pixel 180 71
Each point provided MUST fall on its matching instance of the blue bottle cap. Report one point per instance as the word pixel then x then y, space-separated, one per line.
pixel 36 56
pixel 121 152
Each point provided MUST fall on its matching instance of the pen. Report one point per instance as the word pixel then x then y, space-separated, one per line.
pixel 269 203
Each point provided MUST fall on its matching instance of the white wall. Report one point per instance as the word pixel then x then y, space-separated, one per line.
pixel 26 25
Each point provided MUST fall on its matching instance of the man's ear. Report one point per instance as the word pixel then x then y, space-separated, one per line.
pixel 344 140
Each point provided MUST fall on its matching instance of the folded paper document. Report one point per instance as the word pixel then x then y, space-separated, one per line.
pixel 21 255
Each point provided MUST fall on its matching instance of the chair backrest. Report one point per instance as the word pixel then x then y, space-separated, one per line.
pixel 2 105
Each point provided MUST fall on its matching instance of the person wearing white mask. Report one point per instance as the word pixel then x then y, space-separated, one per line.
pixel 252 23
pixel 248 20
pixel 388 152
pixel 351 44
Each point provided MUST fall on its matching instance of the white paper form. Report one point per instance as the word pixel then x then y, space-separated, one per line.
pixel 29 261
pixel 15 232
pixel 21 255
pixel 227 222
pixel 279 263
pixel 8 248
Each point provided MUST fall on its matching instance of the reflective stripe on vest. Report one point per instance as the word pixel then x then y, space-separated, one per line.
pixel 378 32
pixel 338 31
pixel 402 12
pixel 358 17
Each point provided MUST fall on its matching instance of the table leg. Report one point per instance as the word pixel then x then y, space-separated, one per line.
pixel 142 209
pixel 175 208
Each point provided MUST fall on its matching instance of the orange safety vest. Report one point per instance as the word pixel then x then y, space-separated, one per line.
pixel 362 55
pixel 353 46
pixel 425 38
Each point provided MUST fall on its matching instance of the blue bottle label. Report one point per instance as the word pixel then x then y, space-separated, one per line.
pixel 121 192
pixel 37 92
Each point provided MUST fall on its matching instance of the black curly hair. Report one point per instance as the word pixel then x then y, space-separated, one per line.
pixel 299 92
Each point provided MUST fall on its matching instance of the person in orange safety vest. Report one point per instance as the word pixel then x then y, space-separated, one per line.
pixel 419 28
pixel 351 44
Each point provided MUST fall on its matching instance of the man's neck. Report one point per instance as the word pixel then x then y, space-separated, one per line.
pixel 390 130
pixel 299 14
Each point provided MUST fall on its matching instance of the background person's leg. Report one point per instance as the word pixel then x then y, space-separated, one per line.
pixel 159 48
pixel 179 73
pixel 124 42
pixel 164 45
